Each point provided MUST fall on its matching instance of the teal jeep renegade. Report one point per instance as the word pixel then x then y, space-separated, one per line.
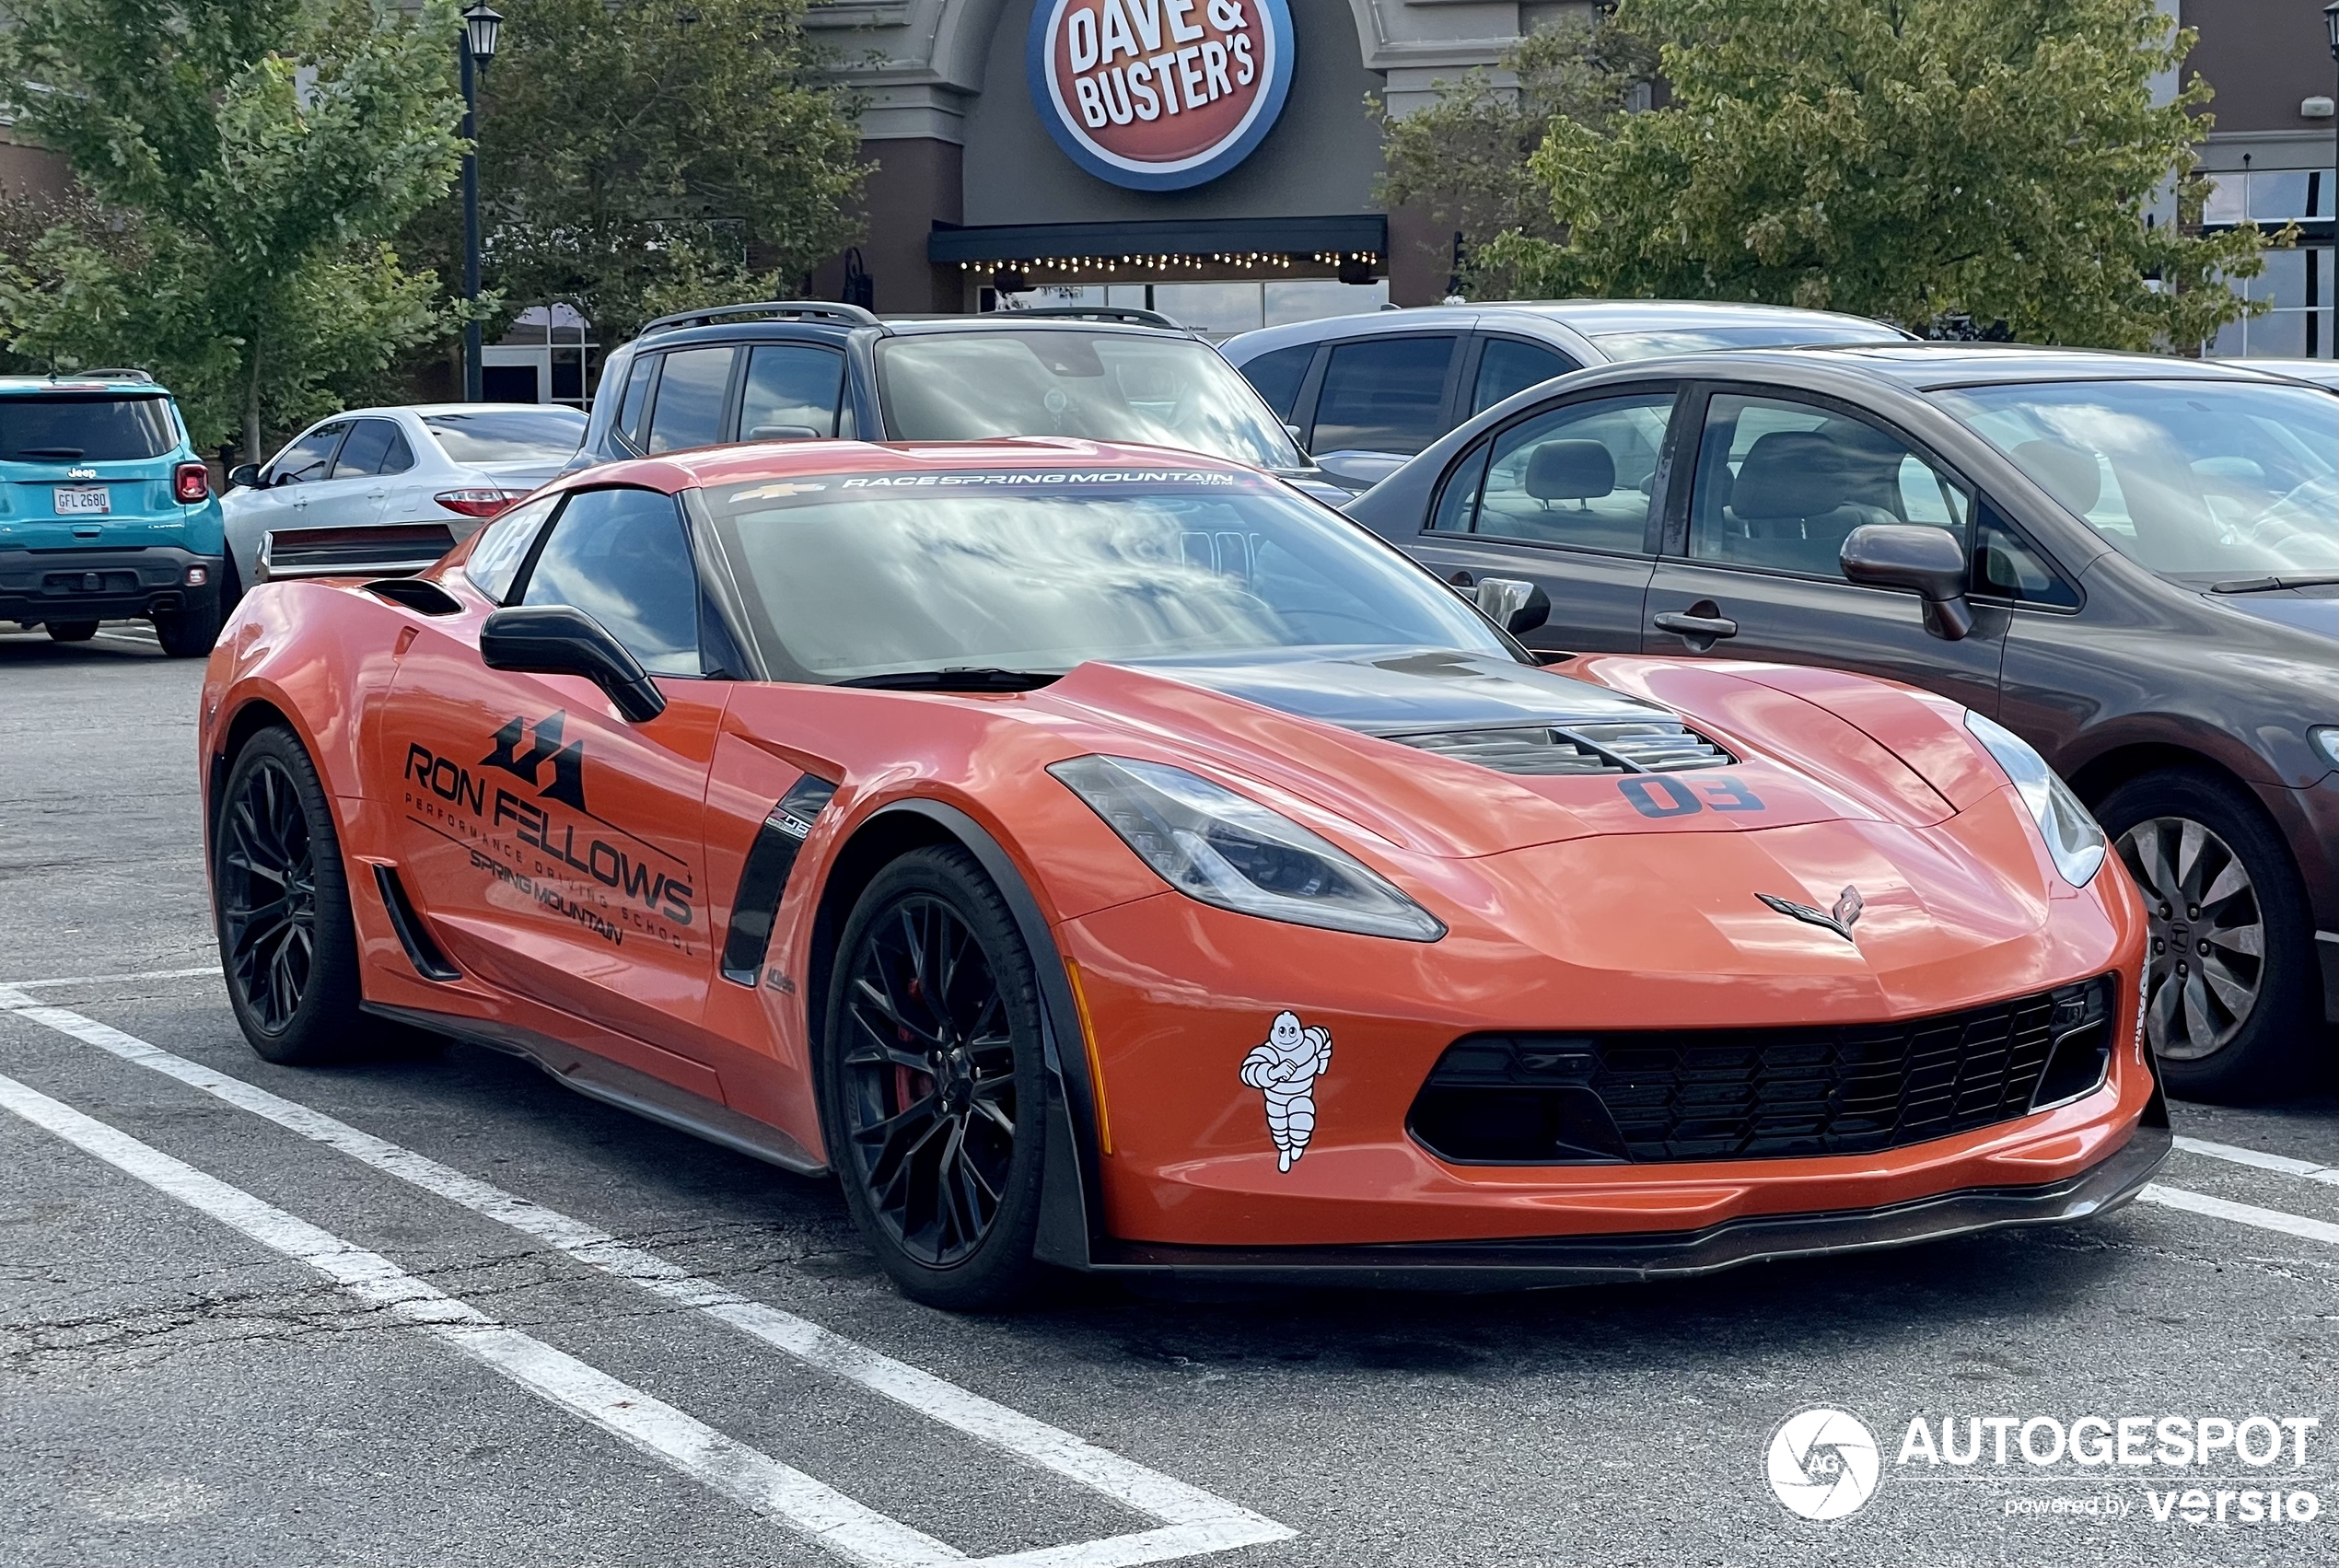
pixel 106 512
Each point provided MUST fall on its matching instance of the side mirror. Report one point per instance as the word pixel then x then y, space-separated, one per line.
pixel 1361 470
pixel 556 638
pixel 1516 607
pixel 1928 562
pixel 783 433
pixel 244 476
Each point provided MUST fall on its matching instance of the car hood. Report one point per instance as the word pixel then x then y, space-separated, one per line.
pixel 1456 755
pixel 2314 610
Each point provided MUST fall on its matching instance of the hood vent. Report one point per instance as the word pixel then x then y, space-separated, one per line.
pixel 1639 745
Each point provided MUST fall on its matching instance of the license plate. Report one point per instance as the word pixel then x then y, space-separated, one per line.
pixel 84 500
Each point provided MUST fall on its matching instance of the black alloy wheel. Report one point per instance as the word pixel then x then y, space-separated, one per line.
pixel 934 1081
pixel 287 943
pixel 2227 980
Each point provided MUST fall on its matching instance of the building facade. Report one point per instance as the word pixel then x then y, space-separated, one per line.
pixel 979 122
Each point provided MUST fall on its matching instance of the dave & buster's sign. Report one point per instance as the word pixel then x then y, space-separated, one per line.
pixel 1158 95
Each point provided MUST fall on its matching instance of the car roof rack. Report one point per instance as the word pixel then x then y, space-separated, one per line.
pixel 1128 315
pixel 813 309
pixel 108 375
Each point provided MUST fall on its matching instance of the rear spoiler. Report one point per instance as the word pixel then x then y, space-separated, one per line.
pixel 395 550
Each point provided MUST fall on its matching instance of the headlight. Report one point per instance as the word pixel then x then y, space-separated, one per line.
pixel 2326 741
pixel 2072 837
pixel 1213 844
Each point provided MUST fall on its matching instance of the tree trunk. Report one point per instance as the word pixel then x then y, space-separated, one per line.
pixel 252 452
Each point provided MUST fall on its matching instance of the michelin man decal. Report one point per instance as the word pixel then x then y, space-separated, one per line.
pixel 1286 1069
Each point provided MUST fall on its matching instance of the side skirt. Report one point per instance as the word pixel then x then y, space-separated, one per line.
pixel 614 1082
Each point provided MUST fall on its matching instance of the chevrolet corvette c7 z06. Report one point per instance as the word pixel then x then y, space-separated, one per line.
pixel 1106 857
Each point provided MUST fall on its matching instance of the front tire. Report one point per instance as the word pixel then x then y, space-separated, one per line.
pixel 286 942
pixel 932 1083
pixel 2230 975
pixel 72 631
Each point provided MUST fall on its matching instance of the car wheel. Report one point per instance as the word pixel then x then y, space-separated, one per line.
pixel 933 1084
pixel 189 634
pixel 2228 978
pixel 286 942
pixel 72 631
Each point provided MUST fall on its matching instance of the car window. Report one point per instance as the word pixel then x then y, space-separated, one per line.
pixel 791 392
pixel 1146 386
pixel 1581 474
pixel 508 436
pixel 2209 479
pixel 1276 375
pixel 1456 508
pixel 637 397
pixel 504 544
pixel 1383 395
pixel 70 428
pixel 1781 484
pixel 621 557
pixel 372 444
pixel 2006 566
pixel 310 458
pixel 1507 365
pixel 689 411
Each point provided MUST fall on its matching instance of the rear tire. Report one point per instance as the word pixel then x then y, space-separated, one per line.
pixel 2230 978
pixel 72 631
pixel 931 1085
pixel 189 634
pixel 286 942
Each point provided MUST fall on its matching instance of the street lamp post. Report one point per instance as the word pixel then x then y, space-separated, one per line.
pixel 474 49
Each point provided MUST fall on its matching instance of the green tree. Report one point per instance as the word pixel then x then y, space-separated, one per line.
pixel 1464 159
pixel 244 163
pixel 639 157
pixel 1929 162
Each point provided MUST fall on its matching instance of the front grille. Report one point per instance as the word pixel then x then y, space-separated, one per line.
pixel 1753 1093
pixel 1630 747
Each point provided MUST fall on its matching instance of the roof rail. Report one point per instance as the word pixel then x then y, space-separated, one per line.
pixel 110 375
pixel 817 310
pixel 1128 314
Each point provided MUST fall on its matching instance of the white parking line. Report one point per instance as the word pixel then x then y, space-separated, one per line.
pixel 746 1476
pixel 1196 1521
pixel 2241 1214
pixel 104 978
pixel 2328 1175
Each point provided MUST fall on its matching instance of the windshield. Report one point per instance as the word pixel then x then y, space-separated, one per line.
pixel 1762 335
pixel 1158 391
pixel 511 438
pixel 2216 479
pixel 68 429
pixel 871 574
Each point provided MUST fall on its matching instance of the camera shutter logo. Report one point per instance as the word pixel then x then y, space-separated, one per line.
pixel 1158 95
pixel 1822 1463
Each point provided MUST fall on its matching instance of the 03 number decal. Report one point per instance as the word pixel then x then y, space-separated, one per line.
pixel 1659 795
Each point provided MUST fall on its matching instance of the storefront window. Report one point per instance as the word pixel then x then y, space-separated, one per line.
pixel 1214 309
pixel 2296 283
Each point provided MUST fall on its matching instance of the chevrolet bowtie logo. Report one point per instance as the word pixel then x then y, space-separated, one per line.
pixel 1846 913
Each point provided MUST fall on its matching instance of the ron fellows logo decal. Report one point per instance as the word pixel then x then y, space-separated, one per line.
pixel 1158 95
pixel 546 844
pixel 1840 920
pixel 1284 1068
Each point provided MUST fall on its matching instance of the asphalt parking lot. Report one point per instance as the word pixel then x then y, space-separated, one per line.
pixel 443 1311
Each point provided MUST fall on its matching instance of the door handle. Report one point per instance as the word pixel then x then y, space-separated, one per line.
pixel 1706 626
pixel 1701 626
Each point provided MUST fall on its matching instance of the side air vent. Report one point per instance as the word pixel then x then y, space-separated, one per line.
pixel 763 878
pixel 1638 745
pixel 412 936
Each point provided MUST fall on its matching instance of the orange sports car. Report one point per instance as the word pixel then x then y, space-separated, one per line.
pixel 1107 857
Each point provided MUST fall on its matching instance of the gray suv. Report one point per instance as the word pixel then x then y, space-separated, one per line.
pixel 1365 393
pixel 2131 563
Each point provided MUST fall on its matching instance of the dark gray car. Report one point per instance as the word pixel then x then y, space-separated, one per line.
pixel 2131 563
